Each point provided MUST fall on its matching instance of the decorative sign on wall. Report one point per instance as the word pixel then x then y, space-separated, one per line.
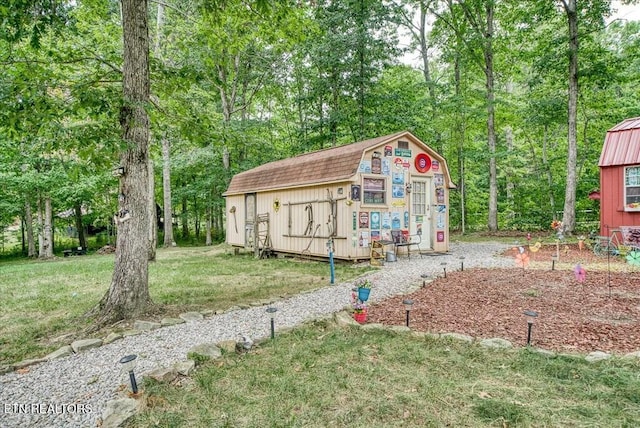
pixel 386 220
pixel 386 166
pixel 364 220
pixel 440 195
pixel 440 236
pixel 422 163
pixel 355 220
pixel 440 221
pixel 375 235
pixel 388 150
pixel 395 220
pixel 355 192
pixel 365 167
pixel 397 178
pixel 438 180
pixel 375 220
pixel 376 163
pixel 364 239
pixel 397 191
pixel 435 165
pixel 404 153
pixel 406 219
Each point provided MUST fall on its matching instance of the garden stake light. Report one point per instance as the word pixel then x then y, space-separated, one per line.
pixel 553 262
pixel 128 364
pixel 272 311
pixel 461 263
pixel 424 281
pixel 531 315
pixel 407 306
pixel 444 267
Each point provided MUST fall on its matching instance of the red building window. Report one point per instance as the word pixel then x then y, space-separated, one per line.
pixel 632 188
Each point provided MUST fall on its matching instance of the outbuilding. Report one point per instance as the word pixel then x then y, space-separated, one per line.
pixel 385 191
pixel 620 177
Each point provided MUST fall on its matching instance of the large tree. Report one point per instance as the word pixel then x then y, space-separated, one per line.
pixel 128 294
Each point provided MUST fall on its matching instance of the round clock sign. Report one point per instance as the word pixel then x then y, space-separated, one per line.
pixel 423 162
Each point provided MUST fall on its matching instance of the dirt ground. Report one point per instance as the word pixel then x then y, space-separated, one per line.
pixel 602 313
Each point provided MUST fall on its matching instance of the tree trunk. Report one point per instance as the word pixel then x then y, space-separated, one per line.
pixel 508 136
pixel 82 241
pixel 153 214
pixel 569 214
pixel 184 219
pixel 545 165
pixel 208 220
pixel 460 131
pixel 46 230
pixel 491 131
pixel 128 295
pixel 166 191
pixel 28 221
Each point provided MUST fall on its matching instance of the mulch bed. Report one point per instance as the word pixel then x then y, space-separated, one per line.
pixel 602 313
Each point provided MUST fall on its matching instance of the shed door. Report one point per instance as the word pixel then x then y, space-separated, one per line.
pixel 249 219
pixel 420 222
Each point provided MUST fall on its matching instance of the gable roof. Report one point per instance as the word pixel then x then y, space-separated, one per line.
pixel 327 165
pixel 622 144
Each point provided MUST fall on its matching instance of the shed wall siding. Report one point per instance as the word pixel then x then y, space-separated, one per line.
pixel 612 213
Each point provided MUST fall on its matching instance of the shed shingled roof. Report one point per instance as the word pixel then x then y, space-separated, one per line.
pixel 328 165
pixel 622 144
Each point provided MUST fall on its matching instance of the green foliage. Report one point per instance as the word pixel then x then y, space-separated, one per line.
pixel 264 80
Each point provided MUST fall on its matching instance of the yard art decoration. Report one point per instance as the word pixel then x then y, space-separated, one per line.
pixel 535 247
pixel 522 259
pixel 580 273
pixel 359 297
pixel 633 258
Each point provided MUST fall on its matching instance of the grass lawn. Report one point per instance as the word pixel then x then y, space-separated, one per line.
pixel 43 302
pixel 319 375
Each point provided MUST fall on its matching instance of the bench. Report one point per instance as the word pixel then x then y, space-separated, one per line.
pixel 401 240
pixel 78 251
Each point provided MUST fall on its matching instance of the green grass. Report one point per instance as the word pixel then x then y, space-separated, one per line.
pixel 319 375
pixel 43 302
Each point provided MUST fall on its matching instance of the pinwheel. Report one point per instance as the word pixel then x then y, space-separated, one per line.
pixel 633 258
pixel 580 273
pixel 522 259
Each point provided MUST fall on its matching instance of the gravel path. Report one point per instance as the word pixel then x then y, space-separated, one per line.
pixel 73 391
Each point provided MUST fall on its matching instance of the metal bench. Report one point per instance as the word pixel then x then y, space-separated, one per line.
pixel 402 241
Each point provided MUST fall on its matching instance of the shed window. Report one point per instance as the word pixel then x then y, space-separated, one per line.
pixel 374 190
pixel 632 188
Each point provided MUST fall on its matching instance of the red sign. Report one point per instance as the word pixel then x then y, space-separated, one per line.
pixel 398 162
pixel 423 163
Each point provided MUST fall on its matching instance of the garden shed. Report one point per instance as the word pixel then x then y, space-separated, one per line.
pixel 620 177
pixel 353 197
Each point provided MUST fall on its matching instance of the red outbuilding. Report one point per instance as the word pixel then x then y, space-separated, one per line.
pixel 620 177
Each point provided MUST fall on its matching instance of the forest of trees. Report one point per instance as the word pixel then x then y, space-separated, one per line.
pixel 181 95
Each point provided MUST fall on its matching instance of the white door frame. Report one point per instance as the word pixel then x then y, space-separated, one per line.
pixel 421 211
